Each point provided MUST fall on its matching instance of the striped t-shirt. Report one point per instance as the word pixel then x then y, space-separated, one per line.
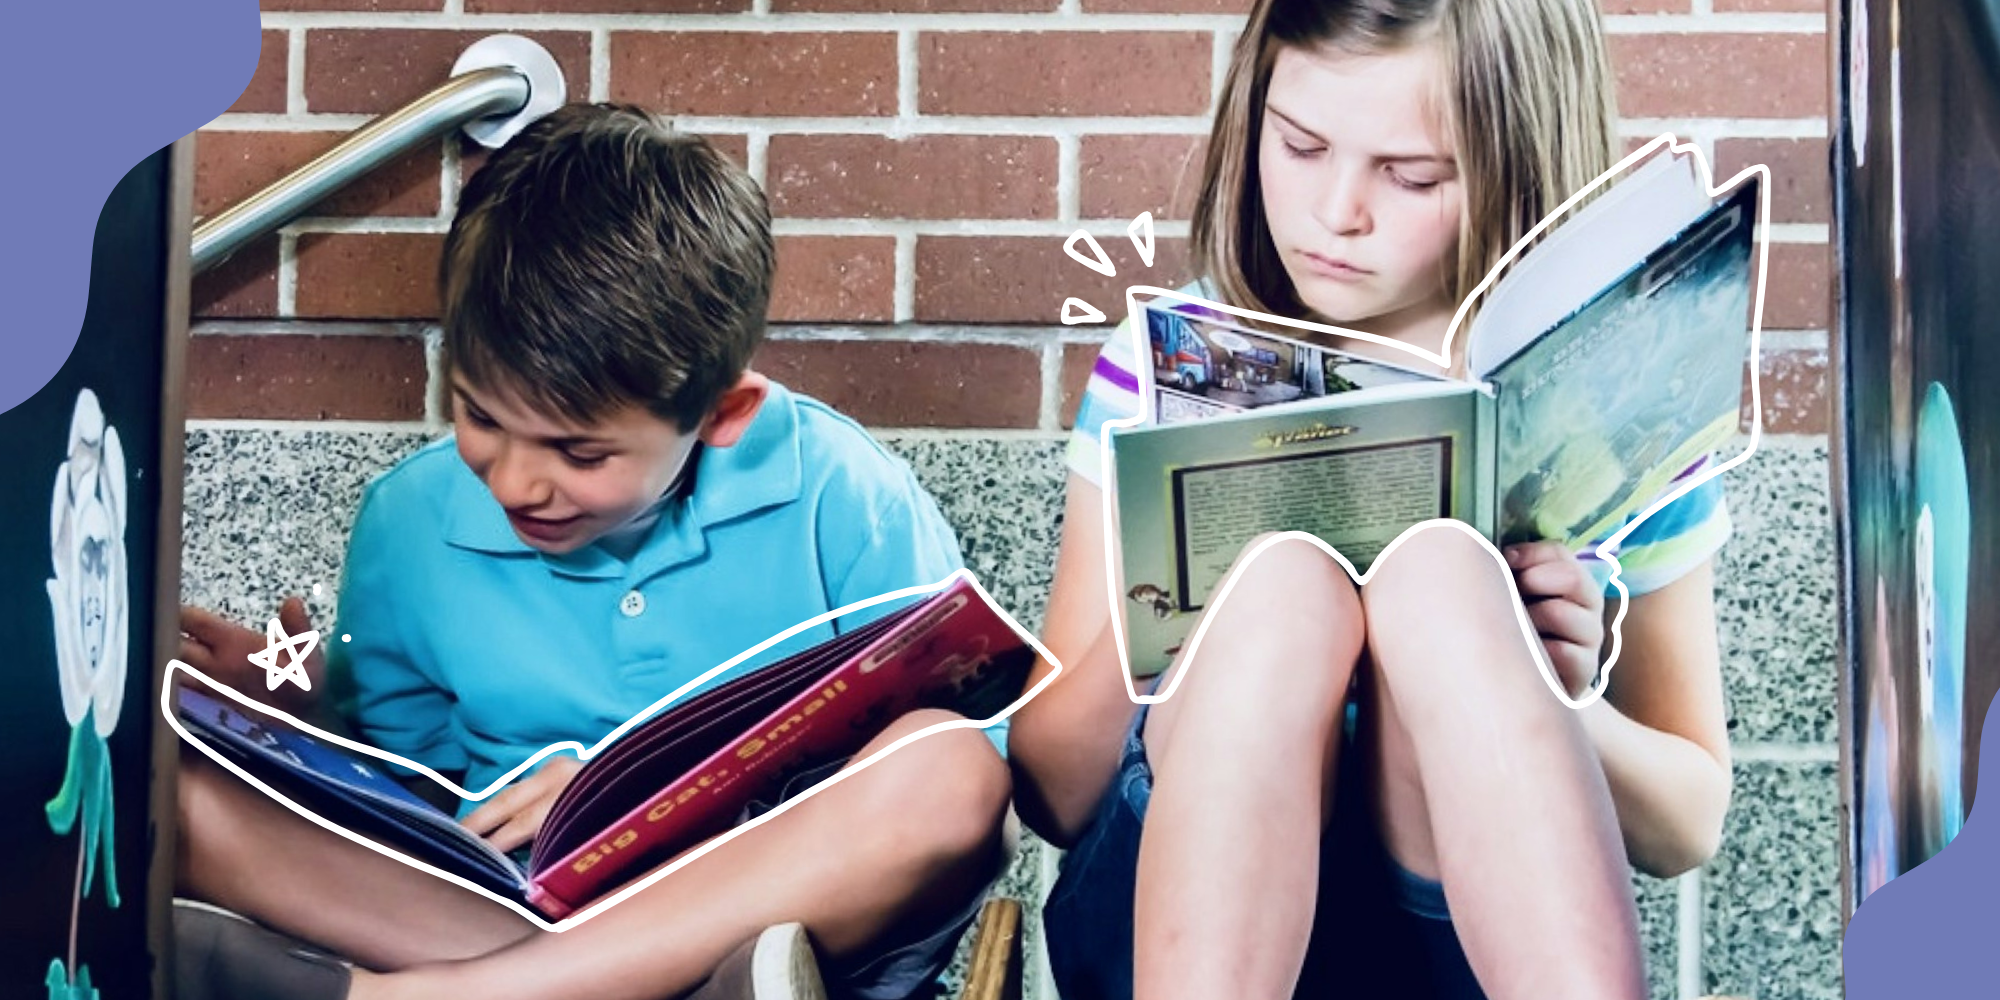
pixel 1675 540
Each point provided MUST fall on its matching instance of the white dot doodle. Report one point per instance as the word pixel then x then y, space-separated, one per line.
pixel 344 637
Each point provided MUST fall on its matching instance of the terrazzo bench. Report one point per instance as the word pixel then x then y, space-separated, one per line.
pixel 267 510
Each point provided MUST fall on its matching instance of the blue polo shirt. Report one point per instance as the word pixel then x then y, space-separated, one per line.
pixel 466 649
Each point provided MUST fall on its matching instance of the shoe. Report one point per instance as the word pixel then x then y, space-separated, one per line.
pixel 777 964
pixel 219 955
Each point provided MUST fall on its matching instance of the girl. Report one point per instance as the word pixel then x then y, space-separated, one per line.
pixel 1370 161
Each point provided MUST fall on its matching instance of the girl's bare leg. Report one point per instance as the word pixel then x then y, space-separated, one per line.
pixel 905 843
pixel 1243 757
pixel 1485 778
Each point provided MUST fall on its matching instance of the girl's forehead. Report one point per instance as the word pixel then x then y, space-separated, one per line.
pixel 1385 104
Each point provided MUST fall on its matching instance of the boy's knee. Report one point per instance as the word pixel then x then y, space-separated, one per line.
pixel 952 785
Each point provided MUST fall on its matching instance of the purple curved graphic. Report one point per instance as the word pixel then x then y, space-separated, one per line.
pixel 101 86
pixel 1929 932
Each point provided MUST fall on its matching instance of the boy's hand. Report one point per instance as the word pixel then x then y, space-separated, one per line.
pixel 1566 607
pixel 221 649
pixel 514 816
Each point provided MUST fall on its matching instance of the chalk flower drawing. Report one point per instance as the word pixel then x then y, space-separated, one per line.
pixel 87 598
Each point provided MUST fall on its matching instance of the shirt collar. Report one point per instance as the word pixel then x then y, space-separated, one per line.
pixel 762 469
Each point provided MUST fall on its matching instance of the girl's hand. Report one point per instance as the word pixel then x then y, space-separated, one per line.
pixel 1566 607
pixel 221 649
pixel 514 816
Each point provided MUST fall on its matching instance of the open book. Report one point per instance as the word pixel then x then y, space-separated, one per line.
pixel 1606 363
pixel 678 778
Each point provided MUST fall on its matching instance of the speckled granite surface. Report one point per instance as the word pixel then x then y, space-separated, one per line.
pixel 1771 920
pixel 1659 926
pixel 1775 598
pixel 267 512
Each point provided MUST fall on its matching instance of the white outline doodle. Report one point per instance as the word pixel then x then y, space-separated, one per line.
pixel 585 753
pixel 602 905
pixel 1442 358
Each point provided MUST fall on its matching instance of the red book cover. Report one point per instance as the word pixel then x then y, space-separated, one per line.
pixel 932 654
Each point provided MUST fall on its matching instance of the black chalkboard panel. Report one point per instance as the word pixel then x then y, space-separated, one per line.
pixel 1917 230
pixel 86 466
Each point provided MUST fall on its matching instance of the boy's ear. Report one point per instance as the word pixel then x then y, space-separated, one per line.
pixel 735 410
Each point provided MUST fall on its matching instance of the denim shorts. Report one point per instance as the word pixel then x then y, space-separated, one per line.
pixel 1378 928
pixel 899 967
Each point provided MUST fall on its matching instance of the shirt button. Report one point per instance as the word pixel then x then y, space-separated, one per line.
pixel 633 604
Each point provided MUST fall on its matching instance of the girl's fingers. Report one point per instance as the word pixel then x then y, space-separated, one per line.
pixel 1563 620
pixel 1574 665
pixel 1565 578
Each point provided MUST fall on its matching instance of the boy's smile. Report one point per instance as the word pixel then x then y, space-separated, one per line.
pixel 564 485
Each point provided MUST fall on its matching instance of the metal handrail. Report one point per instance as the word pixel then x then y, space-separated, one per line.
pixel 481 93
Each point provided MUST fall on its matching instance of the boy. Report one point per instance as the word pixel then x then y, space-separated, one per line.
pixel 623 506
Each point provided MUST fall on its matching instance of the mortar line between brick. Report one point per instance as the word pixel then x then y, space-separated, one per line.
pixel 1810 127
pixel 904 304
pixel 1069 176
pixel 1220 46
pixel 995 125
pixel 906 81
pixel 451 173
pixel 1067 17
pixel 1051 418
pixel 288 273
pixel 1168 229
pixel 754 20
pixel 1707 22
pixel 433 379
pixel 295 71
pixel 600 64
pixel 757 153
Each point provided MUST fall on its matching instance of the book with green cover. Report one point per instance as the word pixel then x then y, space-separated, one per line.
pixel 1605 364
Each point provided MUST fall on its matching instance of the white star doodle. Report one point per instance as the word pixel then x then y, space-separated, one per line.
pixel 296 649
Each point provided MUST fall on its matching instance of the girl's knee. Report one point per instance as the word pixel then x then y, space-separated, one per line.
pixel 1291 598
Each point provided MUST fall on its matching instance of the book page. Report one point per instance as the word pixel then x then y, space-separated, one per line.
pixel 1354 469
pixel 1356 499
pixel 1599 416
pixel 1203 365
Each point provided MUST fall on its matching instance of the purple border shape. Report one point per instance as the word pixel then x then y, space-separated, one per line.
pixel 1930 931
pixel 102 86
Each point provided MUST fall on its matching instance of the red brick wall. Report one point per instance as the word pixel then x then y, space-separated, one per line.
pixel 925 160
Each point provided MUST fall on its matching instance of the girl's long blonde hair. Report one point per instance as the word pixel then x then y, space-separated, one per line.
pixel 1527 101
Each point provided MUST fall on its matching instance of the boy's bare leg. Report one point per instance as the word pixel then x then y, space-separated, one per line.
pixel 239 849
pixel 908 842
pixel 1243 756
pixel 1485 777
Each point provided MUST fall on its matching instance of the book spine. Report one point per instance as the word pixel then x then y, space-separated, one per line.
pixel 835 716
pixel 551 905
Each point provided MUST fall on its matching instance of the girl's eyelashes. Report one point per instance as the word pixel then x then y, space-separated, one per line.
pixel 583 461
pixel 1298 153
pixel 1413 183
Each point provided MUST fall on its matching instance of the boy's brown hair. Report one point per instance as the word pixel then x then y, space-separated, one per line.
pixel 600 260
